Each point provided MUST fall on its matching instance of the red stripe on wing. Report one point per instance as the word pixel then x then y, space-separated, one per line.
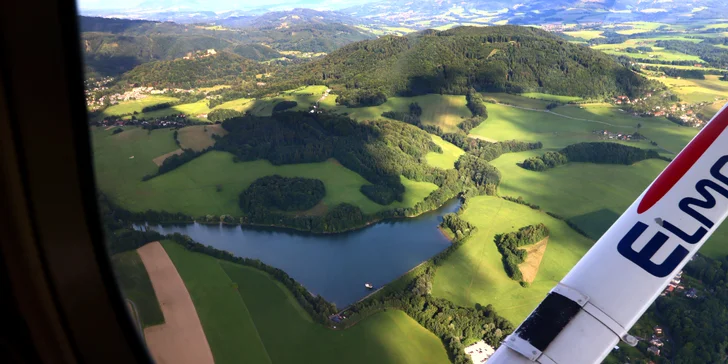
pixel 684 161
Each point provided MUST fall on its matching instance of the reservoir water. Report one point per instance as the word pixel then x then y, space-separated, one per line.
pixel 335 266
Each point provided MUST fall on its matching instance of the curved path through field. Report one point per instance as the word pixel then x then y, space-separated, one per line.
pixel 180 339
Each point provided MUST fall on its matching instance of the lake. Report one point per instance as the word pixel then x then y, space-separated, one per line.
pixel 335 266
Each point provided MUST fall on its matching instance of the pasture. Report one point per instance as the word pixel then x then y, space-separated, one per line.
pixel 710 89
pixel 129 107
pixel 199 137
pixel 474 273
pixel 135 285
pixel 550 97
pixel 565 125
pixel 250 317
pixel 192 111
pixel 585 34
pixel 446 111
pixel 448 157
pixel 211 183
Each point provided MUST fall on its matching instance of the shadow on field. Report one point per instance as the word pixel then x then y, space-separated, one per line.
pixel 595 223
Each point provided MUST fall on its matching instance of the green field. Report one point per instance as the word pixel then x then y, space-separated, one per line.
pixel 248 317
pixel 586 34
pixel 639 27
pixel 191 110
pixel 241 105
pixel 129 107
pixel 549 97
pixel 304 96
pixel 554 130
pixel 475 274
pixel 120 177
pixel 446 159
pixel 446 111
pixel 135 285
pixel 511 99
pixel 694 91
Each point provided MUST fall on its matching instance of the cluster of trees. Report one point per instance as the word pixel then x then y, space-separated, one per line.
pixel 479 172
pixel 544 162
pixel 717 57
pixel 282 193
pixel 284 105
pixel 380 151
pixel 223 114
pixel 460 228
pixel 499 58
pixel 591 152
pixel 117 131
pixel 476 103
pixel 508 245
pixel 164 105
pixel 361 98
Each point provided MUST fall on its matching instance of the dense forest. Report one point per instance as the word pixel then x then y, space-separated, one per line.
pixel 497 58
pixel 594 152
pixel 210 70
pixel 509 244
pixel 282 193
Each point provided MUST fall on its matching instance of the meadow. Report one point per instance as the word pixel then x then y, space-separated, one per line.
pixel 550 97
pixel 249 317
pixel 129 107
pixel 694 91
pixel 211 183
pixel 474 273
pixel 199 137
pixel 448 157
pixel 135 285
pixel 585 34
pixel 446 111
pixel 552 129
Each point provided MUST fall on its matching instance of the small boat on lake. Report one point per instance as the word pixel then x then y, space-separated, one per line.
pixel 368 285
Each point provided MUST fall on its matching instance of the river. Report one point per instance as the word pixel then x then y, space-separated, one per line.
pixel 335 266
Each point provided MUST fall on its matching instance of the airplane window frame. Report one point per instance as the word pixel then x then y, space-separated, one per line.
pixel 52 242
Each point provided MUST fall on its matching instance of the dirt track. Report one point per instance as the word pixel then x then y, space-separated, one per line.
pixel 181 338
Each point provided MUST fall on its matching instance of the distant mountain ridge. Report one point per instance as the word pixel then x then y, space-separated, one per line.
pixel 113 46
pixel 432 13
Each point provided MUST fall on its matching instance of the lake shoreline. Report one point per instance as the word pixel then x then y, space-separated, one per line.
pixel 297 230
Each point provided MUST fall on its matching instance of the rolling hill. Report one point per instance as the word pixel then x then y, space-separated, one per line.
pixel 499 58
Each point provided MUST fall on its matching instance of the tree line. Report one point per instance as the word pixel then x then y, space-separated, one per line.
pixel 591 152
pixel 717 57
pixel 509 244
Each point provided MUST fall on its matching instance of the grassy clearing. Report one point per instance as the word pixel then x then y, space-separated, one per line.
pixel 475 273
pixel 586 34
pixel 535 252
pixel 191 110
pixel 129 107
pixel 712 109
pixel 304 96
pixel 556 131
pixel 446 159
pixel 549 97
pixel 199 137
pixel 694 91
pixel 249 317
pixel 446 111
pixel 198 180
pixel 639 27
pixel 160 160
pixel 135 285
pixel 241 105
pixel 517 100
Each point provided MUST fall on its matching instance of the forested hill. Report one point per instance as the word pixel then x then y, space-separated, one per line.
pixel 208 70
pixel 114 46
pixel 498 58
